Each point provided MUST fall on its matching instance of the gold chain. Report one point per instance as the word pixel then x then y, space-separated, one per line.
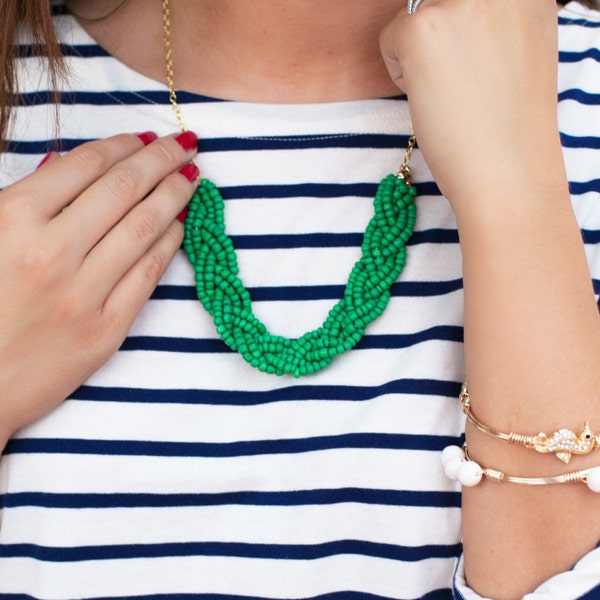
pixel 404 171
pixel 169 63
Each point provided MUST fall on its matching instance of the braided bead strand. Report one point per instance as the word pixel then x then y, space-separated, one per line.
pixel 367 293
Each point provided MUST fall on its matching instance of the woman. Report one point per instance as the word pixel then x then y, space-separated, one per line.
pixel 175 467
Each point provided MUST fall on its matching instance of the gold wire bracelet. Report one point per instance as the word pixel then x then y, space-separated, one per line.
pixel 563 443
pixel 460 466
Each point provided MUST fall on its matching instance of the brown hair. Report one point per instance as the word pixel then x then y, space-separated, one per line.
pixel 37 15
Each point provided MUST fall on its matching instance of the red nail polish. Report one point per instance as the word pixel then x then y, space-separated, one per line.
pixel 147 137
pixel 188 140
pixel 182 215
pixel 190 172
pixel 44 160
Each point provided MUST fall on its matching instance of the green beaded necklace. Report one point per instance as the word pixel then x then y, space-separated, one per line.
pixel 223 295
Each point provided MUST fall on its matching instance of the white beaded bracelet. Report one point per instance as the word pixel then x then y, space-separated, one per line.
pixel 459 466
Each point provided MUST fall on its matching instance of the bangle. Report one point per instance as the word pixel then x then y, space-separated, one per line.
pixel 563 442
pixel 458 465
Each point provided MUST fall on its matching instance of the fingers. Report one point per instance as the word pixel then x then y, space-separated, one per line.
pixel 108 199
pixel 481 83
pixel 139 231
pixel 58 181
pixel 128 296
pixel 395 41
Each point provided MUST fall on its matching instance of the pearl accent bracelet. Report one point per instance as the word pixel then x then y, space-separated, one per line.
pixel 563 443
pixel 459 466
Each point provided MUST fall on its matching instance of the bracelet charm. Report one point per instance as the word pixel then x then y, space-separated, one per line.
pixel 563 443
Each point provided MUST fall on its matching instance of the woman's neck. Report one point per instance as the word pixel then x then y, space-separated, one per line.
pixel 287 51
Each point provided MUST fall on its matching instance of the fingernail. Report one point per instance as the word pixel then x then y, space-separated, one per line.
pixel 182 215
pixel 44 160
pixel 190 172
pixel 188 140
pixel 147 137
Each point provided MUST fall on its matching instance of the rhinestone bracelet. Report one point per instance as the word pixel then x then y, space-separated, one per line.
pixel 563 443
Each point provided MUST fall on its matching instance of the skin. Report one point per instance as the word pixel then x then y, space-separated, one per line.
pixel 481 82
pixel 82 259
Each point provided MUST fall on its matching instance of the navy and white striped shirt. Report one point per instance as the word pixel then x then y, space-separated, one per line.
pixel 178 470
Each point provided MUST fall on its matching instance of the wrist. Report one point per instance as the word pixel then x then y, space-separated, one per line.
pixel 504 177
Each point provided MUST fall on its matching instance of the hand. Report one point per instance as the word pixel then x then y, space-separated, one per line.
pixel 481 82
pixel 83 242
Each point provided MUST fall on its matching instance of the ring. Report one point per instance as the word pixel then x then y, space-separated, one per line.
pixel 413 5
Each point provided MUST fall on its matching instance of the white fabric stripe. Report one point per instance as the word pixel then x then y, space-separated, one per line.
pixel 179 318
pixel 223 424
pixel 369 469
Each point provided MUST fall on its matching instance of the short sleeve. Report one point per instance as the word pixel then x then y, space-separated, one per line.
pixel 582 582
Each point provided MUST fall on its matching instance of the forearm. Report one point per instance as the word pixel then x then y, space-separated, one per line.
pixel 532 344
pixel 481 78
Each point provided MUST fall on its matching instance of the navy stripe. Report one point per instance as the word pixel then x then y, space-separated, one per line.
pixel 236 549
pixel 333 240
pixel 591 236
pixel 596 283
pixel 584 187
pixel 309 190
pixel 380 441
pixel 364 140
pixel 316 190
pixel 573 57
pixel 244 144
pixel 174 344
pixel 80 50
pixel 248 498
pixel 578 22
pixel 202 345
pixel 571 141
pixel 292 393
pixel 442 594
pixel 400 289
pixel 579 96
pixel 354 240
pixel 112 98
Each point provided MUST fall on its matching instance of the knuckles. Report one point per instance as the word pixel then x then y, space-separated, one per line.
pixel 154 266
pixel 91 158
pixel 168 150
pixel 146 224
pixel 124 182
